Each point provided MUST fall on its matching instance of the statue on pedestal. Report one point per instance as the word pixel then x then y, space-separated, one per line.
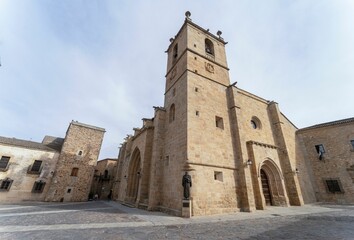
pixel 187 184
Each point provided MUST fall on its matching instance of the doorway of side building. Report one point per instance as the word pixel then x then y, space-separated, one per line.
pixel 266 188
pixel 134 178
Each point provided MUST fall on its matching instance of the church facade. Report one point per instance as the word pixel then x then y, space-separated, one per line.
pixel 240 151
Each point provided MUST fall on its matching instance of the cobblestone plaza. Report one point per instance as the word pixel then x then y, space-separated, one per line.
pixel 110 220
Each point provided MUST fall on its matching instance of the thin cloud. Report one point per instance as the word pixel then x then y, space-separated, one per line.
pixel 103 62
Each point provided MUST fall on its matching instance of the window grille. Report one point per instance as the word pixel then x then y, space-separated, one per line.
pixel 4 162
pixel 38 187
pixel 5 184
pixel 333 186
pixel 35 168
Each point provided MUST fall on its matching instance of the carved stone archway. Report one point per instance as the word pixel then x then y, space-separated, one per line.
pixel 134 173
pixel 275 181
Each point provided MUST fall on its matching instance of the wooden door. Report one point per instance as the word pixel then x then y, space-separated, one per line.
pixel 266 188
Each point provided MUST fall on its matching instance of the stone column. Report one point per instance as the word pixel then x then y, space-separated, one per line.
pixel 243 177
pixel 155 181
pixel 291 182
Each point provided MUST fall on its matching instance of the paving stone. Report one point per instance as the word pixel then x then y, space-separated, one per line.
pixel 110 220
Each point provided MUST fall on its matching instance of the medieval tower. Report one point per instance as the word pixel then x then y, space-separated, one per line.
pixel 198 122
pixel 75 168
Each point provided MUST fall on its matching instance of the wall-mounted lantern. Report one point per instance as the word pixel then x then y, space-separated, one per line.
pixel 249 162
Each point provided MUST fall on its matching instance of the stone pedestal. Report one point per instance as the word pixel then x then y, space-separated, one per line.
pixel 186 208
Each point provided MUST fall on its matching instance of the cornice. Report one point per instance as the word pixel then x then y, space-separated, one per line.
pixel 328 124
pixel 261 144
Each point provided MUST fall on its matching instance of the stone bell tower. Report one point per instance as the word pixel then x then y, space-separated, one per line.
pixel 197 125
pixel 196 50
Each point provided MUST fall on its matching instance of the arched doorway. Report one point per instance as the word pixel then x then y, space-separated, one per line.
pixel 134 177
pixel 272 184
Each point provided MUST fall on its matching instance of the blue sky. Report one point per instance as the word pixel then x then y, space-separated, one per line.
pixel 103 62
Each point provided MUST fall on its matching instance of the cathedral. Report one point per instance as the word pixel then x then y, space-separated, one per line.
pixel 240 151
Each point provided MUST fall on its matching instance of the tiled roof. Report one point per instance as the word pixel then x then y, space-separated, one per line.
pixel 342 121
pixel 53 142
pixel 26 144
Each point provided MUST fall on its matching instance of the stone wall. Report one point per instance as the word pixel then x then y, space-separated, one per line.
pixel 134 169
pixel 231 142
pixel 337 162
pixel 157 160
pixel 305 173
pixel 20 161
pixel 80 150
pixel 102 183
pixel 210 150
pixel 174 153
pixel 263 136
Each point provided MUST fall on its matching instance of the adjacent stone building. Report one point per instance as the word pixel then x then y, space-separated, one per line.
pixel 104 178
pixel 57 169
pixel 328 166
pixel 242 153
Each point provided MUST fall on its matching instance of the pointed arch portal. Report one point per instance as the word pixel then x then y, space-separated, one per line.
pixel 134 173
pixel 272 184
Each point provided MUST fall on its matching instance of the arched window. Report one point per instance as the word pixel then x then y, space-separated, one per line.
pixel 209 47
pixel 172 113
pixel 175 53
pixel 256 123
pixel 105 173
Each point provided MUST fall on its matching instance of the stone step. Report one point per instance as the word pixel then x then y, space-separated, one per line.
pixel 129 205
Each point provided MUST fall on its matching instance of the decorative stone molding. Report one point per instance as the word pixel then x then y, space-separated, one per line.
pixel 139 131
pixel 147 122
pixel 212 165
pixel 136 131
pixel 343 121
pixel 128 137
pixel 209 67
pixel 261 144
pixel 235 107
pixel 186 167
pixel 156 108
